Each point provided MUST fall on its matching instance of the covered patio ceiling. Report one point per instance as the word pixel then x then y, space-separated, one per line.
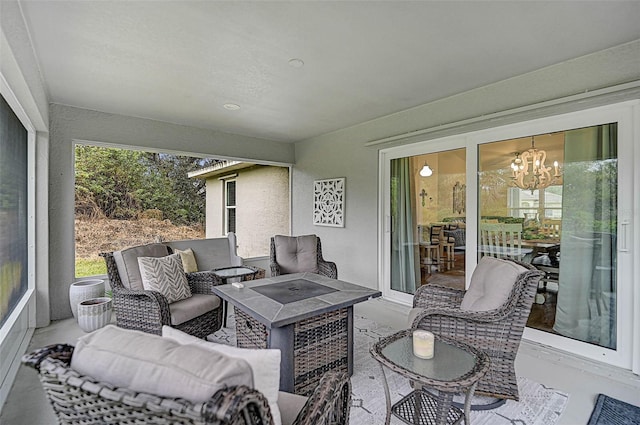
pixel 301 69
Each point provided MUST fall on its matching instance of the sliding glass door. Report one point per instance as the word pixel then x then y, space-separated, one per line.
pixel 560 194
pixel 560 191
pixel 426 221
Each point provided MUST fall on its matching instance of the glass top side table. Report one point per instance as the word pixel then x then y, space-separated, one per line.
pixel 455 368
pixel 243 273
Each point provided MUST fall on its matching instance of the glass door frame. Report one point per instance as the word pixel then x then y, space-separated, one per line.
pixel 627 115
pixel 385 224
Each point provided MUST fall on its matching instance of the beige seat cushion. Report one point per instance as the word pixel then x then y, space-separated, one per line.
pixel 149 363
pixel 491 283
pixel 296 254
pixel 127 263
pixel 264 363
pixel 192 307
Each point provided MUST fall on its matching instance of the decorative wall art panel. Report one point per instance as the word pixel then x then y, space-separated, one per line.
pixel 328 202
pixel 459 198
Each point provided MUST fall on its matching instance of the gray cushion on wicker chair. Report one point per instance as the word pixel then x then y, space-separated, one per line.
pixel 290 406
pixel 148 311
pixel 149 363
pixel 491 283
pixel 190 308
pixel 497 332
pixel 299 262
pixel 211 253
pixel 296 254
pixel 78 398
pixel 127 263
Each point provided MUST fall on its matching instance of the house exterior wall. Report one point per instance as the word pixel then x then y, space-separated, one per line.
pixel 262 208
pixel 214 212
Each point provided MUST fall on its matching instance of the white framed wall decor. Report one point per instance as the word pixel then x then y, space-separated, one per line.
pixel 328 202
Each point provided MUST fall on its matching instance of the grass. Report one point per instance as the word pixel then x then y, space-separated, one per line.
pixel 90 267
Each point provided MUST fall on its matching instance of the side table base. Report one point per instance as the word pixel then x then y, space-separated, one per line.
pixel 420 407
pixel 478 407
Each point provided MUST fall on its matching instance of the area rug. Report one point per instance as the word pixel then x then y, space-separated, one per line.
pixel 610 411
pixel 538 404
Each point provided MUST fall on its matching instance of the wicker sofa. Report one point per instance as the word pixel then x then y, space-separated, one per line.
pixel 79 398
pixel 140 309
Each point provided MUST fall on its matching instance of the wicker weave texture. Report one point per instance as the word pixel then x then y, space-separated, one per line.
pixel 325 268
pixel 320 345
pixel 497 332
pixel 427 406
pixel 78 399
pixel 249 332
pixel 148 311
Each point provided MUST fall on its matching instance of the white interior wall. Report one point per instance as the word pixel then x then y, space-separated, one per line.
pixel 353 152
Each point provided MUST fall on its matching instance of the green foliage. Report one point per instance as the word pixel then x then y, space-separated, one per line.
pixel 121 184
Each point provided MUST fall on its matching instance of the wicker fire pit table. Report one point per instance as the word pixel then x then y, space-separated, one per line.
pixel 307 316
pixel 454 369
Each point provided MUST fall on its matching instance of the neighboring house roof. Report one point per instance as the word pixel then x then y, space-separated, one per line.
pixel 219 168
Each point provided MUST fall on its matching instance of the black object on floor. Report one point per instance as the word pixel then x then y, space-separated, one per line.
pixel 609 411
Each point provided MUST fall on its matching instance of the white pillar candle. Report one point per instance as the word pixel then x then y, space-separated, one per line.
pixel 423 344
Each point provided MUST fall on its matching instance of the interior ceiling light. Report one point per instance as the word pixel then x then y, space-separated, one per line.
pixel 231 106
pixel 528 170
pixel 296 63
pixel 426 171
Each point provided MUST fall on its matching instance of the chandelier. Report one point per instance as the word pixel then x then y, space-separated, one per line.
pixel 528 170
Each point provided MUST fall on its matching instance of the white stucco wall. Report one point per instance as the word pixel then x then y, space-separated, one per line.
pixel 343 153
pixel 262 208
pixel 215 214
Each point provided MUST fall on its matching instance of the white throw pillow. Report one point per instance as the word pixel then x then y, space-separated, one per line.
pixel 265 364
pixel 188 260
pixel 165 275
pixel 491 283
pixel 149 363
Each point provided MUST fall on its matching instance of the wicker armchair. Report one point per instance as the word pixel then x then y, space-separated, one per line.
pixel 497 332
pixel 78 399
pixel 325 268
pixel 148 311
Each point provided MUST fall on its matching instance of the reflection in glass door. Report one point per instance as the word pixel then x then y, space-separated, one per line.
pixel 428 214
pixel 559 193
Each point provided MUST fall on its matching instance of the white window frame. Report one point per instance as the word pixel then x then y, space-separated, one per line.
pixel 627 115
pixel 228 207
pixel 18 327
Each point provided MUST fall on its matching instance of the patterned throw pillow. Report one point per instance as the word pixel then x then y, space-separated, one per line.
pixel 165 275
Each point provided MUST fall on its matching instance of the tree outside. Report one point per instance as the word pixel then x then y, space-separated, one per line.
pixel 125 198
